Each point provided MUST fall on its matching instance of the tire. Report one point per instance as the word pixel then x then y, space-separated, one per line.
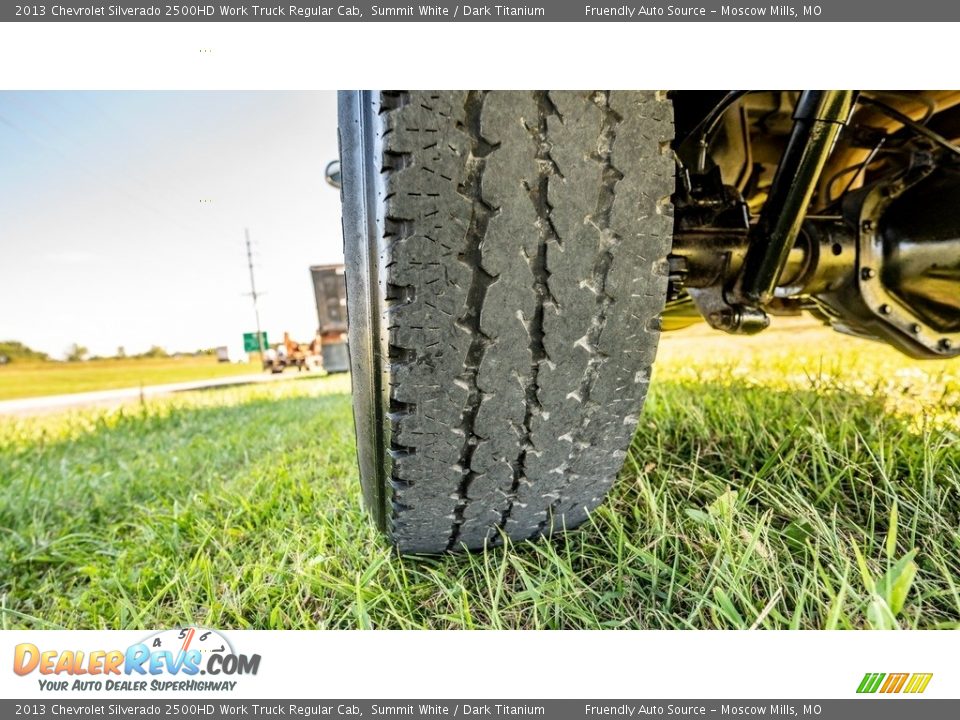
pixel 505 266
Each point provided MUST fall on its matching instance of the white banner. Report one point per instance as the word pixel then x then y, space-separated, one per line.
pixel 449 664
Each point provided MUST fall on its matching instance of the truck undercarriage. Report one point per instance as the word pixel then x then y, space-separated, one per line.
pixel 843 204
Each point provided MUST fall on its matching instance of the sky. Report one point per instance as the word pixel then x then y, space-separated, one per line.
pixel 122 216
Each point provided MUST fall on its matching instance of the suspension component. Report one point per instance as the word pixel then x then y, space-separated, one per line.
pixel 712 219
pixel 887 267
pixel 906 288
pixel 819 116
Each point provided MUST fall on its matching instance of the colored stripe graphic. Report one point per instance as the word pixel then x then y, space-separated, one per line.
pixel 870 682
pixel 918 682
pixel 894 683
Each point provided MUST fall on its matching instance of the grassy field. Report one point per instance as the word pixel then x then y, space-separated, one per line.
pixel 794 480
pixel 19 380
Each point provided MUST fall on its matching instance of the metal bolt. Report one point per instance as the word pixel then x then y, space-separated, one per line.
pixel 868 273
pixel 945 344
pixel 867 225
pixel 884 309
pixel 915 329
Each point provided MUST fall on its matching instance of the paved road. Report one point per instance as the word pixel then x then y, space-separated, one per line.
pixel 51 403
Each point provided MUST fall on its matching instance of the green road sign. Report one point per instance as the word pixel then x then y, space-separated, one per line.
pixel 250 343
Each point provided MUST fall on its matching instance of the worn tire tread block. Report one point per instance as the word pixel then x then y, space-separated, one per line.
pixel 521 241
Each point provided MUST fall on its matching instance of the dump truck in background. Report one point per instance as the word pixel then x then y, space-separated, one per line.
pixel 330 288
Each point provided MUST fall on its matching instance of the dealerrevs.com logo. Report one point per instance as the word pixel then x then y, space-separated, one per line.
pixel 169 660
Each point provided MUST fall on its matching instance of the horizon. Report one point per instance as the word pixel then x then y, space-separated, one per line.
pixel 122 216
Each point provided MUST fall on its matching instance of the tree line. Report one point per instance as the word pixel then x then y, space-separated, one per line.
pixel 14 351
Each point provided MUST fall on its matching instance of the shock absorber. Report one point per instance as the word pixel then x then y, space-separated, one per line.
pixel 819 116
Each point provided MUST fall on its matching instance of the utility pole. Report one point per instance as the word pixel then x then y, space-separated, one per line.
pixel 253 294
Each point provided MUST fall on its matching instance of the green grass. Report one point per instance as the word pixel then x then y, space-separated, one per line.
pixel 20 380
pixel 793 480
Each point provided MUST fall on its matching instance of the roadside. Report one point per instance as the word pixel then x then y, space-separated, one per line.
pixel 120 396
pixel 32 379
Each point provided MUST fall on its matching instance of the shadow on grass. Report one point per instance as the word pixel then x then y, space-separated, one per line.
pixel 735 496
